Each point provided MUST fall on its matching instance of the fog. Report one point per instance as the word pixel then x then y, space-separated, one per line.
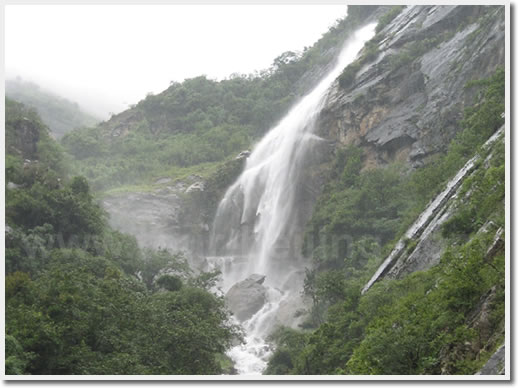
pixel 107 57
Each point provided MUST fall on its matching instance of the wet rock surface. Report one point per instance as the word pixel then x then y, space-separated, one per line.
pixel 425 235
pixel 247 297
pixel 173 214
pixel 405 106
pixel 496 364
pixel 154 217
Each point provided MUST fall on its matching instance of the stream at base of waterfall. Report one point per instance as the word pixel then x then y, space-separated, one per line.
pixel 254 228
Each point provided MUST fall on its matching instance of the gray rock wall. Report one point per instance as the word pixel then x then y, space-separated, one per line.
pixel 406 104
pixel 496 363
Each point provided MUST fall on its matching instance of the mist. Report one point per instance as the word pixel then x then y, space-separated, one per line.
pixel 337 205
pixel 108 57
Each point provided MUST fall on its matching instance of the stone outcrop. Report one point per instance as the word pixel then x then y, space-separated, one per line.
pixel 247 297
pixel 154 217
pixel 496 363
pixel 488 339
pixel 405 105
pixel 198 186
pixel 243 154
pixel 425 233
pixel 176 215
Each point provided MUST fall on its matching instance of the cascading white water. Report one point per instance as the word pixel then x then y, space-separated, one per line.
pixel 255 221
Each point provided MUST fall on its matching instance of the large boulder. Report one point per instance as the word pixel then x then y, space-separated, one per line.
pixel 247 297
pixel 496 363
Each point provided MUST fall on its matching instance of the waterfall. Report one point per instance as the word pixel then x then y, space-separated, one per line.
pixel 255 223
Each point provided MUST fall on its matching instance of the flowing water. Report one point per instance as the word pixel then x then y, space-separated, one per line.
pixel 254 227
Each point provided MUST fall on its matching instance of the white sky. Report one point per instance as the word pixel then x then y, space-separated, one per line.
pixel 109 56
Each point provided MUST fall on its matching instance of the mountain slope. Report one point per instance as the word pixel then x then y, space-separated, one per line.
pixel 201 121
pixel 82 298
pixel 60 114
pixel 403 120
pixel 172 156
pixel 422 98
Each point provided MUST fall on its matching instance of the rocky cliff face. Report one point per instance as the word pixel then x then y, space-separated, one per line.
pixel 24 144
pixel 406 104
pixel 153 217
pixel 174 214
pixel 423 244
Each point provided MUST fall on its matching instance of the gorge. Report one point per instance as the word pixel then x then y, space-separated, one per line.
pixel 345 208
pixel 257 216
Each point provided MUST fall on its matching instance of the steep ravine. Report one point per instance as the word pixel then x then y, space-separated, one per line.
pixel 257 221
pixel 406 113
pixel 404 105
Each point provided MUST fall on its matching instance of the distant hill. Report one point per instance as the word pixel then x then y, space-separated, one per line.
pixel 61 115
pixel 194 125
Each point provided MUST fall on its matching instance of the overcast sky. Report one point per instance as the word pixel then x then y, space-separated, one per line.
pixel 109 56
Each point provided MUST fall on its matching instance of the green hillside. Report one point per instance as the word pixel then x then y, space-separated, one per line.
pixel 82 298
pixel 60 114
pixel 201 122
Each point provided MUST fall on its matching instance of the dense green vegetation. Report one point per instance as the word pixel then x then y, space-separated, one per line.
pixel 201 121
pixel 60 114
pixel 405 326
pixel 82 298
pixel 141 157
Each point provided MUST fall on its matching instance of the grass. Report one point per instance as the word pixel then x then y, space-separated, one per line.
pixel 182 173
pixel 176 174
pixel 121 190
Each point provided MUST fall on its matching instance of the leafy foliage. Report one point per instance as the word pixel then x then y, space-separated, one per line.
pixel 354 206
pixel 29 146
pixel 82 298
pixel 409 336
pixel 200 121
pixel 289 343
pixel 419 324
pixel 84 316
